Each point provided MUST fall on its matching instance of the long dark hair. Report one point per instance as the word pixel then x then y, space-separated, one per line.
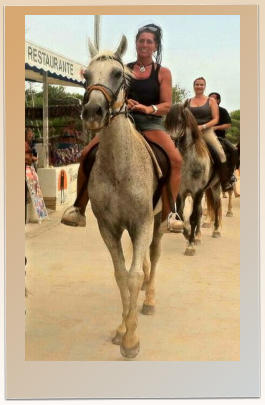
pixel 157 31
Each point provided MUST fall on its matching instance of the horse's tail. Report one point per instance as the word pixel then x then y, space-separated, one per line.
pixel 212 205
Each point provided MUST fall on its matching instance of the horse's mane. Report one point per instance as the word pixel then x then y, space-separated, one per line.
pixel 191 122
pixel 188 122
pixel 111 56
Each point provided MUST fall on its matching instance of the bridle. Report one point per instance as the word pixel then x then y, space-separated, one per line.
pixel 111 98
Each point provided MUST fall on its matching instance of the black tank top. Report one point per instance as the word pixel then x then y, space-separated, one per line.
pixel 145 91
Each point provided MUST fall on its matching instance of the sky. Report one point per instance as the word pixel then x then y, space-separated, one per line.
pixel 193 45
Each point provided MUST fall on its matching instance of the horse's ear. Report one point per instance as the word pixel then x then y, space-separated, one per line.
pixel 186 103
pixel 92 50
pixel 121 48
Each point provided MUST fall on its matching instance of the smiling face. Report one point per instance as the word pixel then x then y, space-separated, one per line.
pixel 145 45
pixel 199 87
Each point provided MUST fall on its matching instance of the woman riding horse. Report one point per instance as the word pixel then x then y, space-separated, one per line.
pixel 149 98
pixel 206 113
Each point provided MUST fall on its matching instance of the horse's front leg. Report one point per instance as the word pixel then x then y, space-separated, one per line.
pixel 194 221
pixel 141 238
pixel 180 209
pixel 155 251
pixel 113 242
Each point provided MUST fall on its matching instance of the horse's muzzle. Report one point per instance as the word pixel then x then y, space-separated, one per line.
pixel 94 115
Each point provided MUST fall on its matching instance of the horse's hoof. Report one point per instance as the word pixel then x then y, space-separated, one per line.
pixel 130 353
pixel 117 338
pixel 148 309
pixel 216 234
pixel 190 251
pixel 229 214
pixel 206 225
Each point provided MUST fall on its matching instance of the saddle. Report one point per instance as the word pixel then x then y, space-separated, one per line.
pixel 164 164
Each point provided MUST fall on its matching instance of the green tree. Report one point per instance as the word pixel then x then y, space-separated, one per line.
pixel 57 96
pixel 233 134
pixel 179 94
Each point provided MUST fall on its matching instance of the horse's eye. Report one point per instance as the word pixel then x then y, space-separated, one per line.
pixel 87 77
pixel 117 74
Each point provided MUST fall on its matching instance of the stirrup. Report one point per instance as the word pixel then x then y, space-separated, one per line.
pixel 73 217
pixel 174 222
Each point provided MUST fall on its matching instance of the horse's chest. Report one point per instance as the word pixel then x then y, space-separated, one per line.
pixel 108 193
pixel 117 196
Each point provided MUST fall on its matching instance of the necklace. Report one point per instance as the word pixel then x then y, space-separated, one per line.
pixel 142 67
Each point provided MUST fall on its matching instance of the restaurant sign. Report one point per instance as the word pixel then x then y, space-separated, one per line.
pixel 46 60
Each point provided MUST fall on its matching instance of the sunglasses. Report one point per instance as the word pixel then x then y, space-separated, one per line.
pixel 148 28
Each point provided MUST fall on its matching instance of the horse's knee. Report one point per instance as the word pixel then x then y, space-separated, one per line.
pixel 135 280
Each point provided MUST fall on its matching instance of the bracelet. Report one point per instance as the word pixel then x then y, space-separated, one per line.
pixel 204 126
pixel 155 109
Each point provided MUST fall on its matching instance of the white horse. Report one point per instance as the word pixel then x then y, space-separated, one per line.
pixel 121 186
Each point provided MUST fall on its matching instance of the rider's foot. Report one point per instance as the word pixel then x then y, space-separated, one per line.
pixel 175 225
pixel 73 217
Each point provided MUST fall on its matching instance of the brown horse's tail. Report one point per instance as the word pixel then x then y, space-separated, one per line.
pixel 211 206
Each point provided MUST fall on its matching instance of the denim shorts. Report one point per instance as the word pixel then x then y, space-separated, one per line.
pixel 144 122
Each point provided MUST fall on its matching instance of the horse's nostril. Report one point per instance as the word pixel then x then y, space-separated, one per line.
pixel 85 114
pixel 92 111
pixel 99 111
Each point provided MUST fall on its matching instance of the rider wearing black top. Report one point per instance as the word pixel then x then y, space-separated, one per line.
pixel 149 98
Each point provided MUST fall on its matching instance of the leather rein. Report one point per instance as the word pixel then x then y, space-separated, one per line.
pixel 111 98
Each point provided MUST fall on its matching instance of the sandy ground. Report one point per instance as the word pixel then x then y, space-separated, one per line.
pixel 73 305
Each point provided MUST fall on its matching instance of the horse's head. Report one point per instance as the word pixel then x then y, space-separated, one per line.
pixel 177 120
pixel 182 126
pixel 106 82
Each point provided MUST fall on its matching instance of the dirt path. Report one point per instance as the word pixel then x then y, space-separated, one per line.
pixel 73 306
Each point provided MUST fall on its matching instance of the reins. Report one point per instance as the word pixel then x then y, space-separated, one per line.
pixel 111 98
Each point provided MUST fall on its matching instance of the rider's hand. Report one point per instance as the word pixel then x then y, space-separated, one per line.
pixel 131 103
pixel 142 108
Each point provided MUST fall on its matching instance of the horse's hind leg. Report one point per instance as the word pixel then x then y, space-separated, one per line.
pixel 217 212
pixel 206 223
pixel 229 208
pixel 198 227
pixel 113 243
pixel 146 269
pixel 155 251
